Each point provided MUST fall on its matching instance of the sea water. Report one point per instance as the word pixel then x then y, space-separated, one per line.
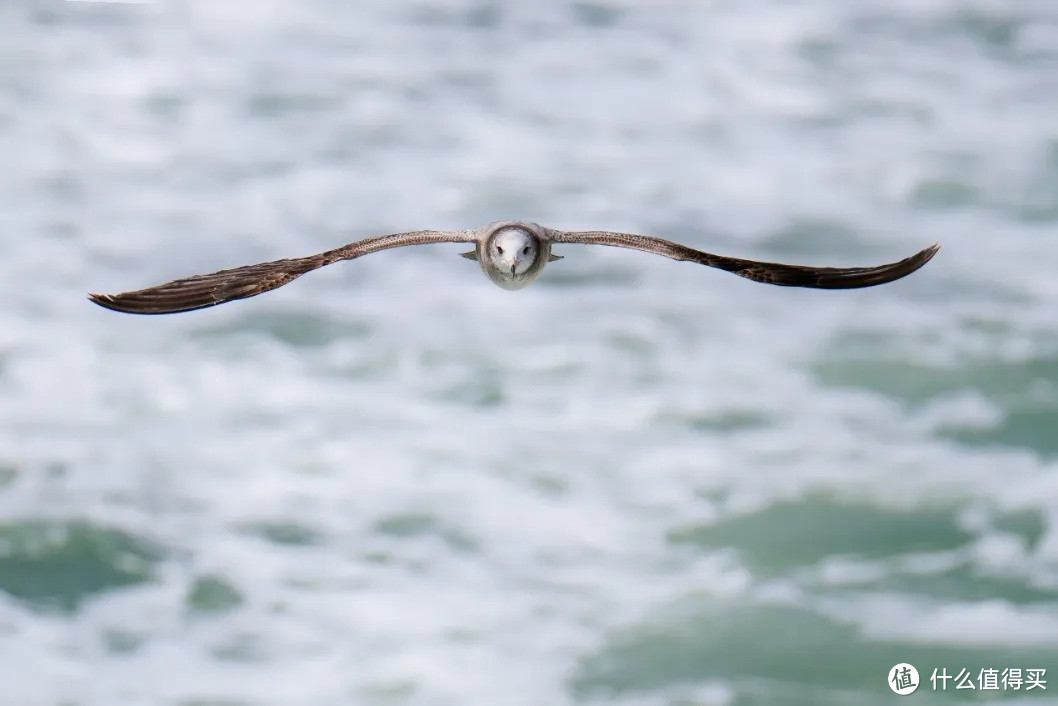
pixel 637 482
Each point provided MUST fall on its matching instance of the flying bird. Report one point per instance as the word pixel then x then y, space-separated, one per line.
pixel 511 253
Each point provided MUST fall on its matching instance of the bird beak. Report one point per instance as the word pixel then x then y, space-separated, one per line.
pixel 513 266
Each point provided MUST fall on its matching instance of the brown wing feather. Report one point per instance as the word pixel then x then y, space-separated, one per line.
pixel 767 272
pixel 201 291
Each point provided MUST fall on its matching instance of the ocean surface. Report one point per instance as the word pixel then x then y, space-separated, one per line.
pixel 638 482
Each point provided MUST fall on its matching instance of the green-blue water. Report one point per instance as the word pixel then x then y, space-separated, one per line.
pixel 637 482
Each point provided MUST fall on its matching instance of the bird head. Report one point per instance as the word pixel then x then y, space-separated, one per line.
pixel 513 251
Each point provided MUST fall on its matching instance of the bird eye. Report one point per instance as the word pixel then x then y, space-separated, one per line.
pixel 525 250
pixel 499 249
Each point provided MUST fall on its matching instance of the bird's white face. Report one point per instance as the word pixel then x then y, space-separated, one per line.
pixel 513 251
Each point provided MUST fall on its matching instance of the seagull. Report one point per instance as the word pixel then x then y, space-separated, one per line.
pixel 511 253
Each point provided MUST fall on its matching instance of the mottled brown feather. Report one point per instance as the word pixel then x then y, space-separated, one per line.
pixel 201 291
pixel 767 272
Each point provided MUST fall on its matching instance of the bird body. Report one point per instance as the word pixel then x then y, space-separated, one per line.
pixel 511 253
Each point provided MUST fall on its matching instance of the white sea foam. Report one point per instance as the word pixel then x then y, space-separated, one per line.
pixel 426 490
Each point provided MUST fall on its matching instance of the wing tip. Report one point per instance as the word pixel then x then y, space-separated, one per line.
pixel 860 278
pixel 923 256
pixel 111 302
pixel 104 300
pixel 905 267
pixel 123 304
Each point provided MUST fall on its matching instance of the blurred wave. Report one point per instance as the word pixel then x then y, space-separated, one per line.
pixel 638 481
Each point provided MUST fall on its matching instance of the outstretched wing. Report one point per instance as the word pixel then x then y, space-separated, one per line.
pixel 767 272
pixel 201 291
